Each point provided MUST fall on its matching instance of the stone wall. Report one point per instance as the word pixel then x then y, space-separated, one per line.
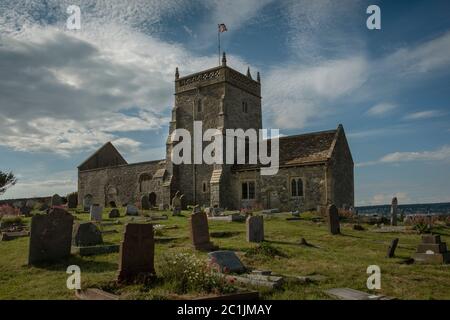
pixel 124 181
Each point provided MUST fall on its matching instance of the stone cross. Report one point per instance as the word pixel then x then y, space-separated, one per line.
pixel 333 219
pixel 255 228
pixel 200 232
pixel 50 236
pixel 394 211
pixel 136 254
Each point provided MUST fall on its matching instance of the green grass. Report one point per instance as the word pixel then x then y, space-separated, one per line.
pixel 343 259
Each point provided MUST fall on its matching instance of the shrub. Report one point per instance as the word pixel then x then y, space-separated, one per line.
pixel 187 273
pixel 422 228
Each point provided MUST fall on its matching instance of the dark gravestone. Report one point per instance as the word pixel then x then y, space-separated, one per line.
pixel 131 210
pixel 392 247
pixel 333 219
pixel 227 261
pixel 255 228
pixel 72 201
pixel 200 232
pixel 55 200
pixel 50 236
pixel 145 203
pixel 137 252
pixel 114 213
pixel 86 234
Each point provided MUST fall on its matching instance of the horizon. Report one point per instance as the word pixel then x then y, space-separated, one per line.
pixel 67 92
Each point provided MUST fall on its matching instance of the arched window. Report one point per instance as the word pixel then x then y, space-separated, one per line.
pixel 296 187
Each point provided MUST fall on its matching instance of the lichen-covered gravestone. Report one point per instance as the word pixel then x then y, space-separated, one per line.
pixel 198 223
pixel 137 252
pixel 86 234
pixel 145 203
pixel 333 219
pixel 255 228
pixel 55 200
pixel 87 202
pixel 50 236
pixel 96 212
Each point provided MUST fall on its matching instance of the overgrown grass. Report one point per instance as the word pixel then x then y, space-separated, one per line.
pixel 343 259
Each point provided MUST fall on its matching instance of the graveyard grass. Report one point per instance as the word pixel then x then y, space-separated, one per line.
pixel 342 259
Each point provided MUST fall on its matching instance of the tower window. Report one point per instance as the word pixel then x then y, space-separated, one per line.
pixel 248 190
pixel 244 107
pixel 199 106
pixel 296 187
pixel 204 187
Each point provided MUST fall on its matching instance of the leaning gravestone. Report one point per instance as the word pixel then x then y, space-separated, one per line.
pixel 392 247
pixel 137 252
pixel 131 210
pixel 227 261
pixel 394 211
pixel 86 234
pixel 198 223
pixel 255 228
pixel 72 201
pixel 50 236
pixel 145 203
pixel 96 212
pixel 333 219
pixel 55 201
pixel 114 213
pixel 87 202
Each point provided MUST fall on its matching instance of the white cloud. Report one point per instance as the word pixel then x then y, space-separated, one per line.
pixel 381 109
pixel 423 115
pixel 382 198
pixel 441 154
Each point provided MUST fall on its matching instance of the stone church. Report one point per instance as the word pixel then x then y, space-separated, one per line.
pixel 315 169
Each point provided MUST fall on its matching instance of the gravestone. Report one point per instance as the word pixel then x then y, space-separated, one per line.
pixel 96 212
pixel 227 261
pixel 50 236
pixel 145 203
pixel 136 253
pixel 176 203
pixel 131 210
pixel 87 202
pixel 55 201
pixel 114 213
pixel 112 204
pixel 333 219
pixel 432 250
pixel 196 209
pixel 394 211
pixel 392 247
pixel 86 234
pixel 198 223
pixel 255 228
pixel 72 201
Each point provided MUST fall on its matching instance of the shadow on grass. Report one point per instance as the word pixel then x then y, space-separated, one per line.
pixel 85 265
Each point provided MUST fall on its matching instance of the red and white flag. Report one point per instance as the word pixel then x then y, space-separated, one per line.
pixel 222 27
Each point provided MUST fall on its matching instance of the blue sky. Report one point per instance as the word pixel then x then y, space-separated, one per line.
pixel 64 93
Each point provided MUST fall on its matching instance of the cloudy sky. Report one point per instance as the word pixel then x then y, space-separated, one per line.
pixel 63 93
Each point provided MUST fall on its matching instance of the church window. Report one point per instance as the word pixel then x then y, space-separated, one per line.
pixel 296 187
pixel 205 187
pixel 248 190
pixel 199 106
pixel 244 107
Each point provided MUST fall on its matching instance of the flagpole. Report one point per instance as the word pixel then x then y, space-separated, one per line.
pixel 218 37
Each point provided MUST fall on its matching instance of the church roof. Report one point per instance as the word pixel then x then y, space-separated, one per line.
pixel 302 149
pixel 110 154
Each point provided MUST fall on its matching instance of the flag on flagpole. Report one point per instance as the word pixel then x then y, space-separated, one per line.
pixel 222 27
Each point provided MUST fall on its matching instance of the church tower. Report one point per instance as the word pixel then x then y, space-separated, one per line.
pixel 222 98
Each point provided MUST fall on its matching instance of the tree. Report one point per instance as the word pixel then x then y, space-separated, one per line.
pixel 6 180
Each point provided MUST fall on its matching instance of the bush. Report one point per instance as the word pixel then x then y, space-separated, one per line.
pixel 187 273
pixel 422 228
